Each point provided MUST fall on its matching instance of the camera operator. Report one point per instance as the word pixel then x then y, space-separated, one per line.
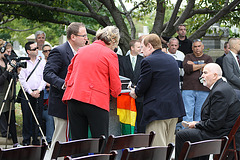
pixel 32 81
pixel 5 76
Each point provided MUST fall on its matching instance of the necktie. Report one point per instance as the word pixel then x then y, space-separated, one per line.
pixel 133 63
pixel 238 60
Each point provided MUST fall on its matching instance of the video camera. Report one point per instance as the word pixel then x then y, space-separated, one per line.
pixel 18 61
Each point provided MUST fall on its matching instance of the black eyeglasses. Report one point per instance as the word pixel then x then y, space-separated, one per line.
pixel 80 35
pixel 46 50
pixel 196 40
pixel 34 49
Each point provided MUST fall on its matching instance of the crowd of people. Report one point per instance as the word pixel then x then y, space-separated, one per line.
pixel 68 87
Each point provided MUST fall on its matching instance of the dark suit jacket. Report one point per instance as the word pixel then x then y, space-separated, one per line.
pixel 219 112
pixel 54 73
pixel 159 83
pixel 126 70
pixel 231 71
pixel 219 60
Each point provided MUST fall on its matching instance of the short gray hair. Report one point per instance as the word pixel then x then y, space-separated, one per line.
pixel 173 39
pixel 39 32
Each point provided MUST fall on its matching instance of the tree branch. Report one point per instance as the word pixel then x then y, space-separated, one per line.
pixel 23 30
pixel 129 18
pixel 159 18
pixel 170 29
pixel 185 13
pixel 224 11
pixel 135 7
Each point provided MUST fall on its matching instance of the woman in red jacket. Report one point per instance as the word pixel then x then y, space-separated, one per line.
pixel 92 76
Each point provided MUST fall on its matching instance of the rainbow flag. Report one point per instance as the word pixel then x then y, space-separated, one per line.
pixel 126 110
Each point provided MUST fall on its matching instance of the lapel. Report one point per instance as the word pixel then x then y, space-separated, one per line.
pixel 234 62
pixel 138 62
pixel 129 64
pixel 206 102
pixel 69 52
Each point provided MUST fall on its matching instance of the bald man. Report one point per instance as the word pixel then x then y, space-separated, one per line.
pixel 219 111
pixel 231 67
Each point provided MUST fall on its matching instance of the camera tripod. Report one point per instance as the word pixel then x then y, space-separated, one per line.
pixel 13 100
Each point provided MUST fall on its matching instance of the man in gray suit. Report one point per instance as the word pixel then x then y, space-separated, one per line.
pixel 231 64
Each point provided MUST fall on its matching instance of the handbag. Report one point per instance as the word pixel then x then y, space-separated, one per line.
pixel 20 92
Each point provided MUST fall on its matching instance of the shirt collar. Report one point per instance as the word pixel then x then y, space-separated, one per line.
pixel 74 52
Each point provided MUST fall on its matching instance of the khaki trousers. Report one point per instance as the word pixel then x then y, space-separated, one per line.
pixel 164 130
pixel 59 134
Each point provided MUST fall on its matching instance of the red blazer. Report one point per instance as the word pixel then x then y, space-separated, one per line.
pixel 93 75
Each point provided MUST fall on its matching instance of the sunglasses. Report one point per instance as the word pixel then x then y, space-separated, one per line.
pixel 46 51
pixel 34 49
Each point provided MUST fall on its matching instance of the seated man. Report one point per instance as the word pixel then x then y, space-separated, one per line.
pixel 219 111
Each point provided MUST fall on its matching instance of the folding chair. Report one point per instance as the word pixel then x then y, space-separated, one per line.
pixel 227 151
pixel 203 148
pixel 82 146
pixel 129 141
pixel 111 156
pixel 149 153
pixel 24 153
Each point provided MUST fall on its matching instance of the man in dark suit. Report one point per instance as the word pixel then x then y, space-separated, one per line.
pixel 231 64
pixel 130 67
pixel 55 72
pixel 219 111
pixel 219 60
pixel 159 84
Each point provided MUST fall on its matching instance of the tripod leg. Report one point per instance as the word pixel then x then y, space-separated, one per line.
pixel 3 104
pixel 34 116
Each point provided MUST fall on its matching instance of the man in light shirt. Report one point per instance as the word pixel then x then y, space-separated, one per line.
pixel 179 56
pixel 33 86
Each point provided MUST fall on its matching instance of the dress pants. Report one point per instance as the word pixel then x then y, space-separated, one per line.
pixel 30 127
pixel 59 134
pixel 83 114
pixel 164 130
pixel 12 125
pixel 192 135
pixel 139 107
pixel 3 125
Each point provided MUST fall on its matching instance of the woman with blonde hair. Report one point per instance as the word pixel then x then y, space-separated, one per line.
pixel 92 76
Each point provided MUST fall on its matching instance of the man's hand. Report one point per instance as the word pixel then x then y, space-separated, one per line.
pixel 35 94
pixel 192 124
pixel 132 93
pixel 190 62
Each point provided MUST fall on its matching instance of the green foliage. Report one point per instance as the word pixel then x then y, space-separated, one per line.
pixel 53 31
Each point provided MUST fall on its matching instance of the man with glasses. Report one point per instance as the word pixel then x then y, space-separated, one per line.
pixel 33 85
pixel 193 92
pixel 55 72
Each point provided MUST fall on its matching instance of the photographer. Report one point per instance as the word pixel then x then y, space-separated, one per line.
pixel 32 81
pixel 5 76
